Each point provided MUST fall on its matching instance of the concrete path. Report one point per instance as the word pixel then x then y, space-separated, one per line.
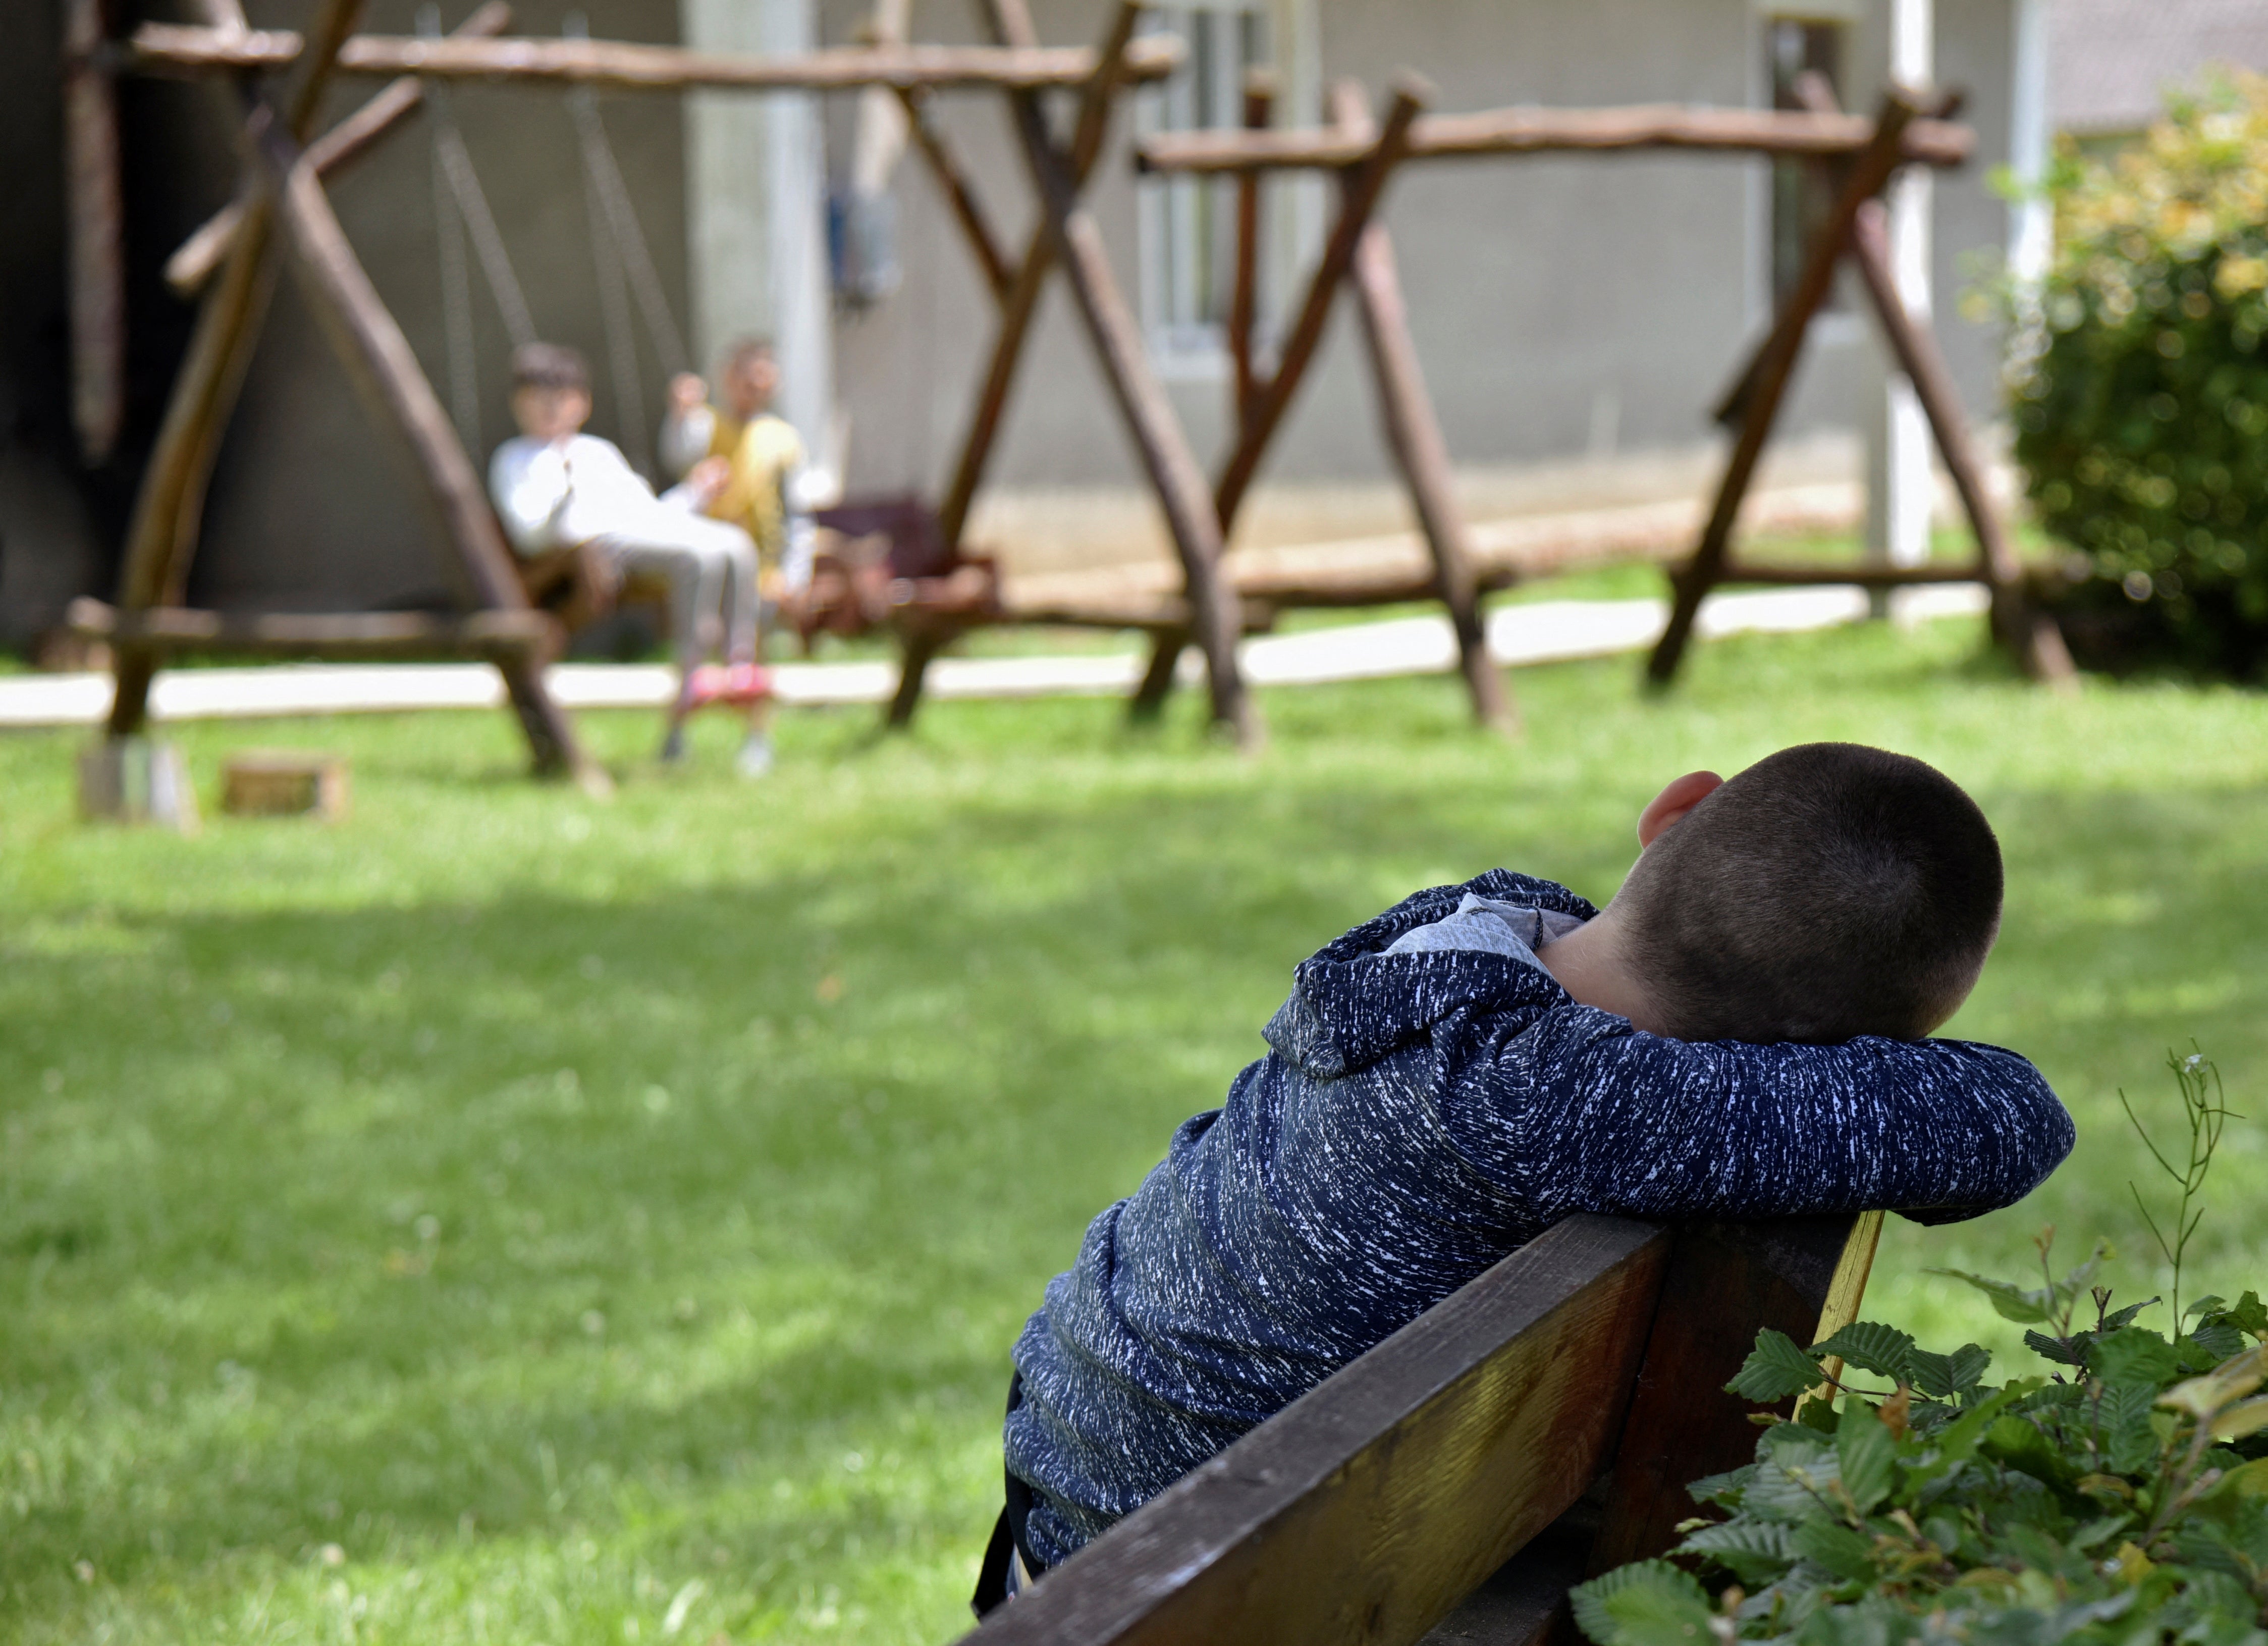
pixel 1546 631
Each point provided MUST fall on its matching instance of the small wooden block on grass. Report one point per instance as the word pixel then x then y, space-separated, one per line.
pixel 284 783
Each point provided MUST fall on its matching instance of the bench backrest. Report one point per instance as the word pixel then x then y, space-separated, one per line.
pixel 1592 1360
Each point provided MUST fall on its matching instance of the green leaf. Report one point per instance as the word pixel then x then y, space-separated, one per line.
pixel 2011 1302
pixel 1970 1361
pixel 2218 1340
pixel 2062 1351
pixel 1849 1555
pixel 2134 1355
pixel 2124 1316
pixel 1868 1454
pixel 2248 1480
pixel 1957 1441
pixel 1722 1489
pixel 1753 1551
pixel 1872 1622
pixel 2013 1442
pixel 2250 1315
pixel 1775 1369
pixel 1796 1468
pixel 1648 1602
pixel 1942 1376
pixel 2209 1304
pixel 2097 1529
pixel 1883 1350
pixel 2129 1443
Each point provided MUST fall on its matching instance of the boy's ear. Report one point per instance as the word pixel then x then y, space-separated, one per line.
pixel 1680 797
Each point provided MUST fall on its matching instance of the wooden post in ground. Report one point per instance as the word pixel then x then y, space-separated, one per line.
pixel 2016 621
pixel 1011 26
pixel 382 367
pixel 161 537
pixel 1870 169
pixel 1019 297
pixel 1244 298
pixel 1215 618
pixel 1259 417
pixel 1360 190
pixel 1414 436
pixel 959 193
pixel 96 236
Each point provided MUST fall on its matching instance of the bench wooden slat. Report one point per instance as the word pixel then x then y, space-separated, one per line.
pixel 1369 1507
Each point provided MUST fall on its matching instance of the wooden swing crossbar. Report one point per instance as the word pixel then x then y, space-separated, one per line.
pixel 282 192
pixel 1529 130
pixel 627 66
pixel 1864 154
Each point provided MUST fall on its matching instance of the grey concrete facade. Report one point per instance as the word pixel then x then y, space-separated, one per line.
pixel 1561 305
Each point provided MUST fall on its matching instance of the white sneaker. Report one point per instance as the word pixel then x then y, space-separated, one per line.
pixel 755 756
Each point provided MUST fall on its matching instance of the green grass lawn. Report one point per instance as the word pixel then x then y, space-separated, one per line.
pixel 504 1218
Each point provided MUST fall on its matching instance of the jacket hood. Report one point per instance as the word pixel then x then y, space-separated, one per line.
pixel 1352 1005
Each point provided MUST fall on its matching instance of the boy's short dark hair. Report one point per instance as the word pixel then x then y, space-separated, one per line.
pixel 1829 890
pixel 552 366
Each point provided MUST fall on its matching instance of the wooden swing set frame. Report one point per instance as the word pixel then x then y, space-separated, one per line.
pixel 1858 156
pixel 281 209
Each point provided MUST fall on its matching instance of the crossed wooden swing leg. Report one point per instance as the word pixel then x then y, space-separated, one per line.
pixel 1068 236
pixel 1357 253
pixel 283 193
pixel 1857 229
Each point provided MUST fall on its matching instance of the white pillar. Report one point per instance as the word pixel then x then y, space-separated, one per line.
pixel 756 211
pixel 2031 220
pixel 1900 489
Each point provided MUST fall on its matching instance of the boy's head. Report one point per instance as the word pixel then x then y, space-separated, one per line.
pixel 750 377
pixel 1829 890
pixel 550 390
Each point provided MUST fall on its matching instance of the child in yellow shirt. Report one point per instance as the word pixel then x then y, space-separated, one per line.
pixel 744 461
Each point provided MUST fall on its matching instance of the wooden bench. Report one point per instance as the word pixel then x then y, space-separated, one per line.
pixel 1537 1427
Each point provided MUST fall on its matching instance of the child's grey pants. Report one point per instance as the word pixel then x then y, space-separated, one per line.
pixel 710 568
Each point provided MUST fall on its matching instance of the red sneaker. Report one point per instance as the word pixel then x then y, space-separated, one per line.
pixel 741 683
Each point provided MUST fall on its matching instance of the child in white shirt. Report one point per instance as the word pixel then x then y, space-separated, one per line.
pixel 554 487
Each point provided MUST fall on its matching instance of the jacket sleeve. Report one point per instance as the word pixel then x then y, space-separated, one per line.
pixel 1634 1125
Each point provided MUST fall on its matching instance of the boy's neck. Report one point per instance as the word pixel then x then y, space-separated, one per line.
pixel 1590 963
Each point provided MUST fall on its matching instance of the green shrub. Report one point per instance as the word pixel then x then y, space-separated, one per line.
pixel 2141 395
pixel 2121 1499
pixel 2124 1501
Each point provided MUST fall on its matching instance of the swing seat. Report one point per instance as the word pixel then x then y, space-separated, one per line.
pixel 737 684
pixel 577 586
pixel 886 566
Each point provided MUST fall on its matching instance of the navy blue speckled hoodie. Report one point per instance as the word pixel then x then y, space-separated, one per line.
pixel 1422 1114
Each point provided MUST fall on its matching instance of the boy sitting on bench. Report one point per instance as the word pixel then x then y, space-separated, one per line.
pixel 556 487
pixel 1740 1034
